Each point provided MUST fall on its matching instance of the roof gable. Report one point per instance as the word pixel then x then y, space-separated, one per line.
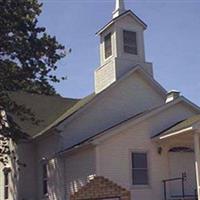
pixel 85 102
pixel 151 81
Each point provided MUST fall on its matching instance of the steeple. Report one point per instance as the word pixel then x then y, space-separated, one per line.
pixel 119 8
pixel 121 47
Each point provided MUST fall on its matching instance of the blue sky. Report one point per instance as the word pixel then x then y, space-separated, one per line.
pixel 172 41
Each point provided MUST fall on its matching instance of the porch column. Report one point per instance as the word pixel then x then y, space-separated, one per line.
pixel 197 161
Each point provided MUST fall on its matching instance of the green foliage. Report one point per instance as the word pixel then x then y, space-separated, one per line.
pixel 28 59
pixel 28 55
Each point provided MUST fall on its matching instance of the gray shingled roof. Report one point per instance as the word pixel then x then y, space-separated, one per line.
pixel 68 112
pixel 45 110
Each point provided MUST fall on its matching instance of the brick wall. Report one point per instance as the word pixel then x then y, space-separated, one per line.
pixel 101 188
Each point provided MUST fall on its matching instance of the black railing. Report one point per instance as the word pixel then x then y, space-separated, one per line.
pixel 181 179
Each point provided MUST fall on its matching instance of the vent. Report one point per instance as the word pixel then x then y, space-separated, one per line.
pixel 172 95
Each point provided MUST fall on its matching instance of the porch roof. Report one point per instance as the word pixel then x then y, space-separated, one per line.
pixel 179 127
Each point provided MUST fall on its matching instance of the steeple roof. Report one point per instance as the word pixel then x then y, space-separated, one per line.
pixel 128 12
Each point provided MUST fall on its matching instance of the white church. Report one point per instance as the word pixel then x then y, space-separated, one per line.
pixel 129 140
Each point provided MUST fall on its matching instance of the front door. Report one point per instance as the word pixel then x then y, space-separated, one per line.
pixel 182 162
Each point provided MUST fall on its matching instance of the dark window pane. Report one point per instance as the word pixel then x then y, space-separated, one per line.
pixel 130 37
pixel 139 160
pixel 108 45
pixel 130 42
pixel 6 186
pixel 44 171
pixel 45 179
pixel 6 193
pixel 6 179
pixel 140 177
pixel 45 188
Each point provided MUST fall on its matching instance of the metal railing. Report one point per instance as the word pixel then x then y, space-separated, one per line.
pixel 182 181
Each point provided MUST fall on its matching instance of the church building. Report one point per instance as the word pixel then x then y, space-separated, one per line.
pixel 128 140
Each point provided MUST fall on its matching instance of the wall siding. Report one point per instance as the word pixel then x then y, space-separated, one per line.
pixel 46 150
pixel 131 96
pixel 114 153
pixel 79 167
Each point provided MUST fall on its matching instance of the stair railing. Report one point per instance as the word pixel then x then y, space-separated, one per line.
pixel 181 179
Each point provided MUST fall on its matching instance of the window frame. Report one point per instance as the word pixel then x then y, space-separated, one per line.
pixel 104 40
pixel 45 179
pixel 135 46
pixel 139 186
pixel 6 185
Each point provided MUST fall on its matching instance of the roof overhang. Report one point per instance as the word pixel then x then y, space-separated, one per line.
pixel 191 128
pixel 128 12
pixel 181 131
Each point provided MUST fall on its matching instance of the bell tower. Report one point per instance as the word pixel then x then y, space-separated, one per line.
pixel 121 47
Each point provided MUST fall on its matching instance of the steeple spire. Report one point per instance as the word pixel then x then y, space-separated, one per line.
pixel 119 8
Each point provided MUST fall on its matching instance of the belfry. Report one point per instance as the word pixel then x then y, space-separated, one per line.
pixel 121 47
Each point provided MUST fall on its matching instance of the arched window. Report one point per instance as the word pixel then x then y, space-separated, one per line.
pixel 181 149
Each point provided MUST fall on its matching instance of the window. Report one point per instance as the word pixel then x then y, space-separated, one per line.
pixel 139 169
pixel 6 185
pixel 45 179
pixel 130 42
pixel 108 45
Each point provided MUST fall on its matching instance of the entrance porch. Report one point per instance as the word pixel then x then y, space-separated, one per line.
pixel 182 144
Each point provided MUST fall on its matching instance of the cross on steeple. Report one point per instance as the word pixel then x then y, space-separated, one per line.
pixel 119 8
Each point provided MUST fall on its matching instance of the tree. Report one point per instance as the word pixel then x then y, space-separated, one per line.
pixel 28 55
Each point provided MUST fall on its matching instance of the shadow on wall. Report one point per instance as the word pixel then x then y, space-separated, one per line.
pixel 59 185
pixel 79 183
pixel 56 183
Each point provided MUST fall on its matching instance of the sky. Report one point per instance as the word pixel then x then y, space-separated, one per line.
pixel 172 41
